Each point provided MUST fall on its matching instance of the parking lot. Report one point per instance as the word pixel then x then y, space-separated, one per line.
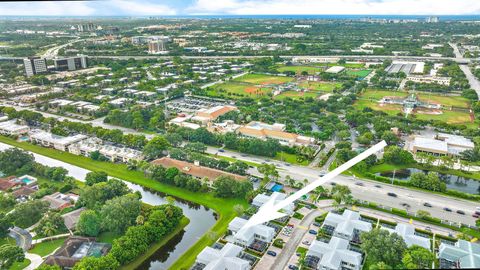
pixel 192 104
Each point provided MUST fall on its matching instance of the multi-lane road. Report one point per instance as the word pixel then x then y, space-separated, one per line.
pixel 369 192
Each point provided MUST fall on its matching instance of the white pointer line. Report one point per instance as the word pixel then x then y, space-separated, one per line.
pixel 269 211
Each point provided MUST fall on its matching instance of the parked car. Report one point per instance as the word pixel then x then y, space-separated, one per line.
pixel 378 186
pixel 427 204
pixel 316 224
pixel 460 212
pixel 221 150
pixel 272 253
pixel 312 232
pixel 391 194
pixel 447 209
pixel 475 215
pixel 359 184
pixel 292 267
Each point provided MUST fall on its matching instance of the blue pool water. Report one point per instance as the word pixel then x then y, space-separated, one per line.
pixel 276 187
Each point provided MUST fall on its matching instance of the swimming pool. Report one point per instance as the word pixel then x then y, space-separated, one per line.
pixel 276 187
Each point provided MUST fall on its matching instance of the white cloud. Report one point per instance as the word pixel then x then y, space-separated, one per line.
pixel 142 8
pixel 86 8
pixel 332 7
pixel 46 9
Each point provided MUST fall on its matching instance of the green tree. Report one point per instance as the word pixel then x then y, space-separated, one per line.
pixel 120 213
pixel 396 155
pixel 6 201
pixel 29 213
pixel 15 161
pixel 5 224
pixel 89 223
pixel 381 246
pixel 92 263
pixel 416 257
pixel 155 147
pixel 10 254
pixel 96 177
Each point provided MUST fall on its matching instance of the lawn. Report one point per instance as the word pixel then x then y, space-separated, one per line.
pixel 238 90
pixel 108 237
pixel 362 73
pixel 447 101
pixel 7 240
pixel 154 247
pixel 299 69
pixel 263 79
pixel 20 265
pixel 290 158
pixel 223 207
pixel 321 86
pixel 45 248
pixel 296 95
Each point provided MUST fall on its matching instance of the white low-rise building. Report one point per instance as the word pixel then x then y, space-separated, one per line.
pixel 335 69
pixel 113 153
pixel 11 128
pixel 462 255
pixel 335 255
pixel 226 258
pixel 245 236
pixel 347 225
pixel 277 197
pixel 407 232
pixel 429 79
pixel 442 144
pixel 48 139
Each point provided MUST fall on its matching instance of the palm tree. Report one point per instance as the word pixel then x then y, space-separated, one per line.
pixel 49 229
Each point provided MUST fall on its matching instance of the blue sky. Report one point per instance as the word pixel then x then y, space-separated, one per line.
pixel 240 7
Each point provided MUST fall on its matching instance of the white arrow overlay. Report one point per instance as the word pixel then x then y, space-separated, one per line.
pixel 270 211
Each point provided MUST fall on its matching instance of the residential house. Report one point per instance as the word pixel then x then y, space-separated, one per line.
pixel 463 254
pixel 246 236
pixel 277 197
pixel 334 255
pixel 226 258
pixel 59 201
pixel 347 225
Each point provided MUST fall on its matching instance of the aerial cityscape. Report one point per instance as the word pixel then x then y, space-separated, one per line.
pixel 240 134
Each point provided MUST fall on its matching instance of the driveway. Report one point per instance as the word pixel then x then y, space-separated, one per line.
pixel 290 247
pixel 22 237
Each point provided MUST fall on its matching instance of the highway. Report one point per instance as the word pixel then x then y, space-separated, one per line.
pixel 472 79
pixel 369 190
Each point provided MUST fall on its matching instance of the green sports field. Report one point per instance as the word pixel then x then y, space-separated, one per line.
pixel 361 73
pixel 371 97
pixel 321 86
pixel 299 69
pixel 263 79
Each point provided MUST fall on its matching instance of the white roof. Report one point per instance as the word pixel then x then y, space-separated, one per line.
pixel 407 232
pixel 457 140
pixel 244 234
pixel 224 259
pixel 431 144
pixel 260 199
pixel 55 139
pixel 11 126
pixel 335 69
pixel 467 253
pixel 335 252
pixel 346 223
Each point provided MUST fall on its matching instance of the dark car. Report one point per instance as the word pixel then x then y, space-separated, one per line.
pixel 378 186
pixel 359 184
pixel 405 205
pixel 292 267
pixel 475 215
pixel 447 209
pixel 312 232
pixel 333 183
pixel 391 194
pixel 272 253
pixel 221 150
pixel 427 204
pixel 460 212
